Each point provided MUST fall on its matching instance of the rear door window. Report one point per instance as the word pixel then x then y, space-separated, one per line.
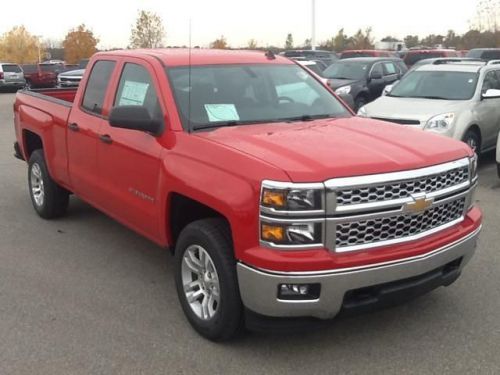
pixel 390 69
pixel 97 86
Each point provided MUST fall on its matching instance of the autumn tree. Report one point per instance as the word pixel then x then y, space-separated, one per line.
pixel 252 44
pixel 289 41
pixel 220 43
pixel 341 41
pixel 80 43
pixel 19 46
pixel 148 31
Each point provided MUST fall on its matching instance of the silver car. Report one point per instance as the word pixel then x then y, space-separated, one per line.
pixel 458 100
pixel 70 78
pixel 11 76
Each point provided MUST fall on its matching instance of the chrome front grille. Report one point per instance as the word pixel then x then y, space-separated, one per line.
pixel 379 210
pixel 402 189
pixel 398 226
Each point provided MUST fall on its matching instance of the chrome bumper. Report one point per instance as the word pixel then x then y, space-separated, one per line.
pixel 259 288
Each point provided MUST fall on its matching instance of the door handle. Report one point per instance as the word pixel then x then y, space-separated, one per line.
pixel 105 138
pixel 74 127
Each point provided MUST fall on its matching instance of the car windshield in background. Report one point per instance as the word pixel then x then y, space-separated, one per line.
pixel 346 70
pixel 11 68
pixel 437 85
pixel 350 55
pixel 229 95
pixel 51 67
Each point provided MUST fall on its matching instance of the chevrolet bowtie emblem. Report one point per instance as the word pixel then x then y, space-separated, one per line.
pixel 420 204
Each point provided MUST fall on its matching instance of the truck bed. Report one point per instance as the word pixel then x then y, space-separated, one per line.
pixel 64 94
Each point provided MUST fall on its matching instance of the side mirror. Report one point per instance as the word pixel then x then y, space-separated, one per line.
pixel 375 75
pixel 134 117
pixel 491 94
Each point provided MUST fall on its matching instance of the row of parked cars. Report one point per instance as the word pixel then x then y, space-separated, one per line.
pixel 42 75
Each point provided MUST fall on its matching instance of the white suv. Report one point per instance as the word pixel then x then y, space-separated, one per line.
pixel 11 76
pixel 459 100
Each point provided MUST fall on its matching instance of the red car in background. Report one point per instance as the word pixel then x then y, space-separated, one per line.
pixel 42 75
pixel 348 54
pixel 414 56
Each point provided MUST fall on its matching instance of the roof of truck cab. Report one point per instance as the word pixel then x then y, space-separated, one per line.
pixel 452 67
pixel 197 56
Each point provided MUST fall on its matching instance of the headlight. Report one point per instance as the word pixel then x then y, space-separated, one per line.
pixel 291 197
pixel 440 123
pixel 291 233
pixel 292 216
pixel 343 90
pixel 362 112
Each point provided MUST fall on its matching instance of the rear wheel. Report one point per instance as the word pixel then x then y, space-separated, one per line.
pixel 205 275
pixel 49 199
pixel 473 139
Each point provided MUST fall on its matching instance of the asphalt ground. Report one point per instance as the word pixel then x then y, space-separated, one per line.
pixel 85 295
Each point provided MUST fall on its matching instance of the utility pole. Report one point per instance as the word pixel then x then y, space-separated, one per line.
pixel 313 26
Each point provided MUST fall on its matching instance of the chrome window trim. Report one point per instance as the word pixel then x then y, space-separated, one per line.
pixel 369 180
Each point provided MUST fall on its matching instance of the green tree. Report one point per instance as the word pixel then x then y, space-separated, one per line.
pixel 341 41
pixel 148 31
pixel 411 41
pixel 80 43
pixel 389 39
pixel 289 41
pixel 362 40
pixel 307 44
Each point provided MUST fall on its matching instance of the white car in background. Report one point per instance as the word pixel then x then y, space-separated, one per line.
pixel 11 76
pixel 459 100
pixel 70 78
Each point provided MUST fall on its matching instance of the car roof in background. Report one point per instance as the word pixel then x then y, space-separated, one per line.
pixel 369 59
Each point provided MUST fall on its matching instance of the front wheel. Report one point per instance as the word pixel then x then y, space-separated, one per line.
pixel 472 138
pixel 49 199
pixel 205 275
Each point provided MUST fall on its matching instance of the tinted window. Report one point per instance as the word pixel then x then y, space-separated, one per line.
pixel 30 69
pixel 491 55
pixel 437 85
pixel 348 55
pixel 51 68
pixel 248 94
pixel 475 53
pixel 11 68
pixel 411 58
pixel 346 70
pixel 491 81
pixel 377 68
pixel 315 68
pixel 97 84
pixel 136 88
pixel 390 68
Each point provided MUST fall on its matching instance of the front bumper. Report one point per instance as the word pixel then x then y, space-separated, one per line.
pixel 259 288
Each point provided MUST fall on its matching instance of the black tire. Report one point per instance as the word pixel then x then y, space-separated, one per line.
pixel 214 236
pixel 55 199
pixel 360 102
pixel 472 138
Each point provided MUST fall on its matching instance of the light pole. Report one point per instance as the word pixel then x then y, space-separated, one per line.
pixel 38 37
pixel 313 25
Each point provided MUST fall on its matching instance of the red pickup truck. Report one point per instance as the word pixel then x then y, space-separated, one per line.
pixel 41 75
pixel 275 199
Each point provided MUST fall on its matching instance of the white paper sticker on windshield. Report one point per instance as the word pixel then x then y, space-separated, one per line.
pixel 221 112
pixel 133 93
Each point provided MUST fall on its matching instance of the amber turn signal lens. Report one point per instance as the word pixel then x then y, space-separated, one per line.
pixel 274 198
pixel 272 233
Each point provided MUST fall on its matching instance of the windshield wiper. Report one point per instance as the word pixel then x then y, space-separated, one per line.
pixel 432 97
pixel 307 118
pixel 221 124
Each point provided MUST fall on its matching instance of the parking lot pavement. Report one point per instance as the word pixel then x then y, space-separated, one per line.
pixel 84 295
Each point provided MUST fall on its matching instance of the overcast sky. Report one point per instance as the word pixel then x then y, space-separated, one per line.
pixel 267 21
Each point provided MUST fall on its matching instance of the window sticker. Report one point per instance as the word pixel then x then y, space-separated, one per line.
pixel 221 112
pixel 133 93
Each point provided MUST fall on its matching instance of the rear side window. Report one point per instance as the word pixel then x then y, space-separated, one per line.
pixel 11 68
pixel 491 55
pixel 29 69
pixel 390 69
pixel 136 88
pixel 97 85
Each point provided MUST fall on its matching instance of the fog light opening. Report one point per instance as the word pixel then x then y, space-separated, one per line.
pixel 299 292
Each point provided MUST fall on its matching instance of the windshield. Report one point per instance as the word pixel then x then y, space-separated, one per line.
pixel 437 85
pixel 414 57
pixel 228 95
pixel 346 70
pixel 349 55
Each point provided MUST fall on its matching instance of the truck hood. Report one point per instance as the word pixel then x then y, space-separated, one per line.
pixel 411 108
pixel 323 149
